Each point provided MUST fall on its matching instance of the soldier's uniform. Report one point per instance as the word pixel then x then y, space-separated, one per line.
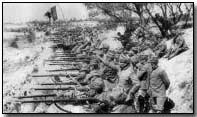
pixel 144 78
pixel 178 45
pixel 94 80
pixel 161 49
pixel 127 84
pixel 159 83
pixel 82 75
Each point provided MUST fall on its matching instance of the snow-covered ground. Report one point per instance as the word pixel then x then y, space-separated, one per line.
pixel 19 63
pixel 180 72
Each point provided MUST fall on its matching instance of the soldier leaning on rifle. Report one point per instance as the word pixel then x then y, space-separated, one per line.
pixel 158 84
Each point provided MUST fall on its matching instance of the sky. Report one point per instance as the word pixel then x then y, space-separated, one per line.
pixel 23 12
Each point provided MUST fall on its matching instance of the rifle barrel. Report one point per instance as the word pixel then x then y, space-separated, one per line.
pixel 73 69
pixel 63 83
pixel 64 64
pixel 63 55
pixel 75 101
pixel 34 96
pixel 67 88
pixel 52 75
pixel 68 60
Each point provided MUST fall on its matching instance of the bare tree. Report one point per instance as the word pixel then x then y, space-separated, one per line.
pixel 175 11
pixel 189 8
pixel 171 14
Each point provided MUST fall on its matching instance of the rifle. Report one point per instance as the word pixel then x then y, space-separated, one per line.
pixel 35 96
pixel 64 55
pixel 64 64
pixel 65 52
pixel 70 69
pixel 63 83
pixel 68 60
pixel 72 58
pixel 52 75
pixel 72 101
pixel 65 88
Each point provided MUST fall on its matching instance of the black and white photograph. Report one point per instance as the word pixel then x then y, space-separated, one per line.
pixel 103 57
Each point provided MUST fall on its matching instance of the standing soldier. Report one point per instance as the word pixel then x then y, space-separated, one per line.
pixel 144 77
pixel 159 83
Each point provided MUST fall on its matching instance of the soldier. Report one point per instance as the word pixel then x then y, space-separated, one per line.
pixel 94 80
pixel 127 85
pixel 161 48
pixel 159 83
pixel 83 46
pixel 109 74
pixel 144 77
pixel 82 74
pixel 105 48
pixel 122 39
pixel 104 55
pixel 178 45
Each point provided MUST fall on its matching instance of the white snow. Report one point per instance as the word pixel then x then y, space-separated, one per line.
pixel 180 72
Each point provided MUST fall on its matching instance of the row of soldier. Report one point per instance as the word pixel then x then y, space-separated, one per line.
pixel 127 80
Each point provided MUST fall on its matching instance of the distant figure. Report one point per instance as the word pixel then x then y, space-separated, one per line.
pixel 161 49
pixel 178 46
pixel 123 39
